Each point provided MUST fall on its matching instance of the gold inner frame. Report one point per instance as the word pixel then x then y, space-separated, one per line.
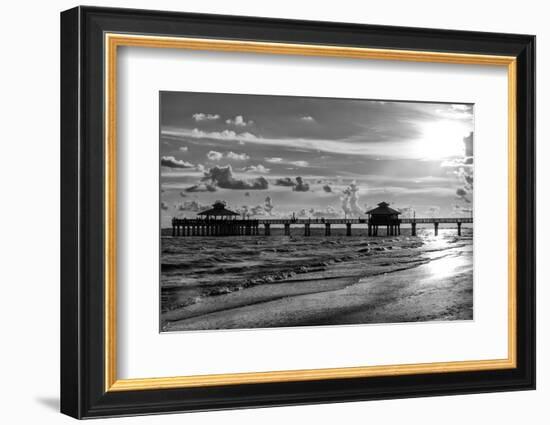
pixel 113 41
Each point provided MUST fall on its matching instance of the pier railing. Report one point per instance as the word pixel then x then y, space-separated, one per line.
pixel 450 220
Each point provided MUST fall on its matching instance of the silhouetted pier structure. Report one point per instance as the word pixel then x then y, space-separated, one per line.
pixel 219 221
pixel 383 215
pixel 212 227
pixel 216 221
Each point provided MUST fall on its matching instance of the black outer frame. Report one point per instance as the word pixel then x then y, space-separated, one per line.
pixel 82 212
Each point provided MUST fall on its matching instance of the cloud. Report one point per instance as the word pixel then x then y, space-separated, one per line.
pixel 285 181
pixel 223 177
pixel 466 172
pixel 433 211
pixel 348 146
pixel 466 177
pixel 327 188
pixel 201 187
pixel 469 145
pixel 192 206
pixel 268 204
pixel 257 210
pixel 237 156
pixel 205 117
pixel 256 169
pixel 457 162
pixel 307 118
pixel 277 160
pixel 170 161
pixel 467 160
pixel 456 112
pixel 329 212
pixel 406 212
pixel 251 210
pixel 214 156
pixel 244 210
pixel 462 107
pixel 239 121
pixel 463 194
pixel 215 135
pixel 464 169
pixel 183 148
pixel 164 206
pixel 350 200
pixel 461 210
pixel 300 185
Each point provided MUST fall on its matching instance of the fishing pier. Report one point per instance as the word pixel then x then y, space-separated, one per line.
pixel 219 221
pixel 252 227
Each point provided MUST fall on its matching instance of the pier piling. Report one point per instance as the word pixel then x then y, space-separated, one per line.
pixel 287 229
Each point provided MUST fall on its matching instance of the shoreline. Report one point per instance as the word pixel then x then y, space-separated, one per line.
pixel 400 286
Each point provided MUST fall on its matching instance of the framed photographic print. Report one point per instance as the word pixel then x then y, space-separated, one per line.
pixel 261 212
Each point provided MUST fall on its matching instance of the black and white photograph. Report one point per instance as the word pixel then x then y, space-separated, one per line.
pixel 268 208
pixel 281 211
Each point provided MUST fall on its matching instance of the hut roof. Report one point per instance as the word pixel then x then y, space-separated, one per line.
pixel 218 209
pixel 383 209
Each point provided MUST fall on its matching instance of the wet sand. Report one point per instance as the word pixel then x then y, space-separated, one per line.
pixel 388 280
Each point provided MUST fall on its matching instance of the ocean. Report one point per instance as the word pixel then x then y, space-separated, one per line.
pixel 243 282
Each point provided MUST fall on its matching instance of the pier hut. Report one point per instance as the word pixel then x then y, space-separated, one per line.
pixel 383 215
pixel 218 212
pixel 215 221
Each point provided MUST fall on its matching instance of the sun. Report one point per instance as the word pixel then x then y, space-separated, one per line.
pixel 441 140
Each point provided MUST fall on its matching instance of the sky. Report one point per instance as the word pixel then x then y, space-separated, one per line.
pixel 274 156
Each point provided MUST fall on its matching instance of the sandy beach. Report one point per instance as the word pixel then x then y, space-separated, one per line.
pixel 281 281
